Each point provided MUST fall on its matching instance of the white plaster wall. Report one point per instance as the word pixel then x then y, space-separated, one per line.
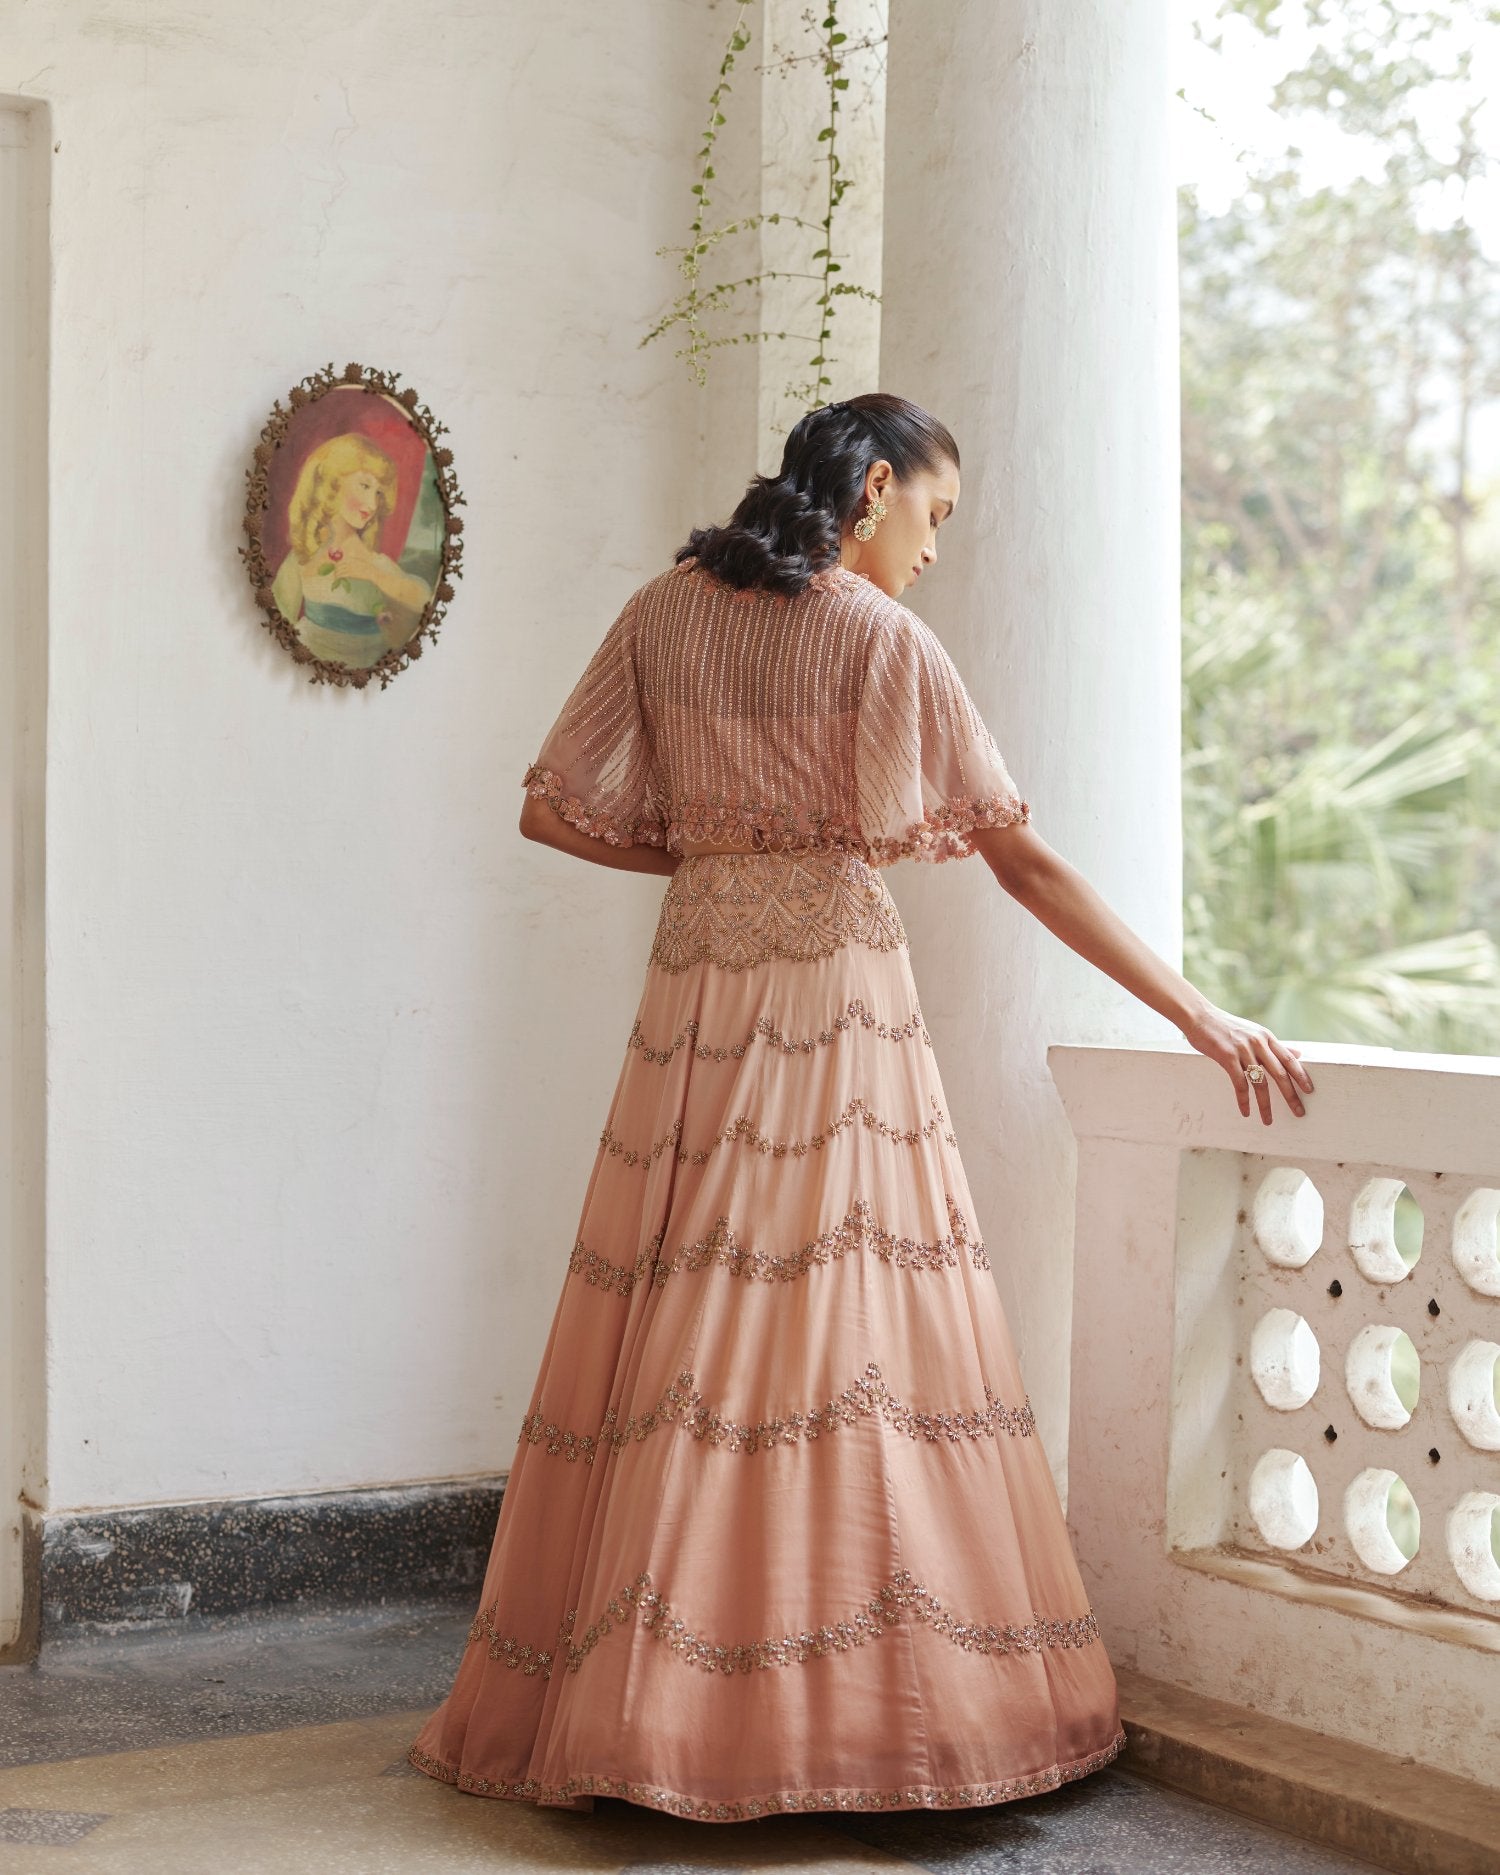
pixel 1031 303
pixel 329 1044
pixel 795 187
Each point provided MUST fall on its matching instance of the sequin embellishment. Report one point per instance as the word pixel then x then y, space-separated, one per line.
pixel 947 832
pixel 833 721
pixel 614 828
pixel 740 909
pixel 855 1111
pixel 576 1792
pixel 857 1230
pixel 901 1596
pixel 856 1010
pixel 682 1405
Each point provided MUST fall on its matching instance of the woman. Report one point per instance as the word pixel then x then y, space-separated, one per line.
pixel 349 602
pixel 780 1535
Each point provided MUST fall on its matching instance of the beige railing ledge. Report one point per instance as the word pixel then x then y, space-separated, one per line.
pixel 1284 1431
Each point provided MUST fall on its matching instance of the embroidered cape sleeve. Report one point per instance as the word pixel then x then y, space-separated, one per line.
pixel 927 769
pixel 596 765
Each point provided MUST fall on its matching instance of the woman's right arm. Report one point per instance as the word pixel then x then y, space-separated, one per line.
pixel 1056 892
pixel 539 821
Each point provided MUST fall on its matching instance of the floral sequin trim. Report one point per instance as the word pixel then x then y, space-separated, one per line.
pixel 740 909
pixel 613 829
pixel 896 1599
pixel 778 829
pixel 866 1398
pixel 855 1010
pixel 773 829
pixel 855 1111
pixel 943 832
pixel 856 1231
pixel 579 1792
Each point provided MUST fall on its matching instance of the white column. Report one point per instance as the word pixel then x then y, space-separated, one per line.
pixel 25 172
pixel 1029 290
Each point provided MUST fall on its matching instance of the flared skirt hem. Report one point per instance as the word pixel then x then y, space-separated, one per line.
pixel 579 1792
pixel 779 1416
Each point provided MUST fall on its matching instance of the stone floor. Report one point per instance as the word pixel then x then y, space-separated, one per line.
pixel 276 1746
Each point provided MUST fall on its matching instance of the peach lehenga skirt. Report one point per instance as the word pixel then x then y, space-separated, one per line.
pixel 779 1534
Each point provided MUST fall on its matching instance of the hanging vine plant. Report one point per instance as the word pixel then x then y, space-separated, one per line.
pixel 699 303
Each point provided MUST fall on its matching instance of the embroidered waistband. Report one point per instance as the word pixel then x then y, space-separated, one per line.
pixel 740 909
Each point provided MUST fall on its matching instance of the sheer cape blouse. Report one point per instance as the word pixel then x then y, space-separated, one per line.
pixel 829 720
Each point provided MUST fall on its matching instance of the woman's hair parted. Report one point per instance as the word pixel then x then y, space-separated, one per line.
pixel 790 526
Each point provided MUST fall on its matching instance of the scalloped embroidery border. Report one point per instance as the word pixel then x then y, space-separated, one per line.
pixel 944 832
pixel 744 1128
pixel 682 1405
pixel 736 910
pixel 856 1010
pixel 899 1596
pixel 613 829
pixel 857 1230
pixel 841 1797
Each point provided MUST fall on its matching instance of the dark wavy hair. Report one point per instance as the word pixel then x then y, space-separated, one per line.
pixel 789 526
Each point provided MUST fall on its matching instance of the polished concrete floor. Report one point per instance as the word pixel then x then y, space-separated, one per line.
pixel 276 1746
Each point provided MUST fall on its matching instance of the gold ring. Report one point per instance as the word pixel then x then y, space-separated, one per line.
pixel 1255 1073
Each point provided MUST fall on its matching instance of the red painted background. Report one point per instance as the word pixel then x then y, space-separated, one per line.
pixel 336 413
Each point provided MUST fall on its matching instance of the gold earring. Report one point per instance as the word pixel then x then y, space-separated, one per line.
pixel 876 512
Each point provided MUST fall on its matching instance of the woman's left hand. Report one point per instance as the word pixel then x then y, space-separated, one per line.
pixel 1239 1045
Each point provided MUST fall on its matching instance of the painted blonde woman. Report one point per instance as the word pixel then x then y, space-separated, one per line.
pixel 349 602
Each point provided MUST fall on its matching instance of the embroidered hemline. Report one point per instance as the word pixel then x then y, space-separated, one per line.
pixel 744 1128
pixel 682 1405
pixel 613 829
pixel 776 829
pixel 901 1595
pixel 856 1230
pixel 855 1010
pixel 943 832
pixel 579 1792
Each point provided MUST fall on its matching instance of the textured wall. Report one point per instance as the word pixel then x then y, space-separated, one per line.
pixel 329 1043
pixel 1030 301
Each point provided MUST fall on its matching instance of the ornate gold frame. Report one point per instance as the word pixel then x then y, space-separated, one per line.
pixel 318 384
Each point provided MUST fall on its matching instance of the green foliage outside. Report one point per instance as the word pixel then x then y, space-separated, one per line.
pixel 1341 558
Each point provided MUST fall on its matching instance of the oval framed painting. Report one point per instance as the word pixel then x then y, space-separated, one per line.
pixel 353 543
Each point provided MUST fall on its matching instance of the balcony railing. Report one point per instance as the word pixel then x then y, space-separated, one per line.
pixel 1284 1468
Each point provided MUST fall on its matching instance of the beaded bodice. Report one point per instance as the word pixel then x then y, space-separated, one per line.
pixel 832 720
